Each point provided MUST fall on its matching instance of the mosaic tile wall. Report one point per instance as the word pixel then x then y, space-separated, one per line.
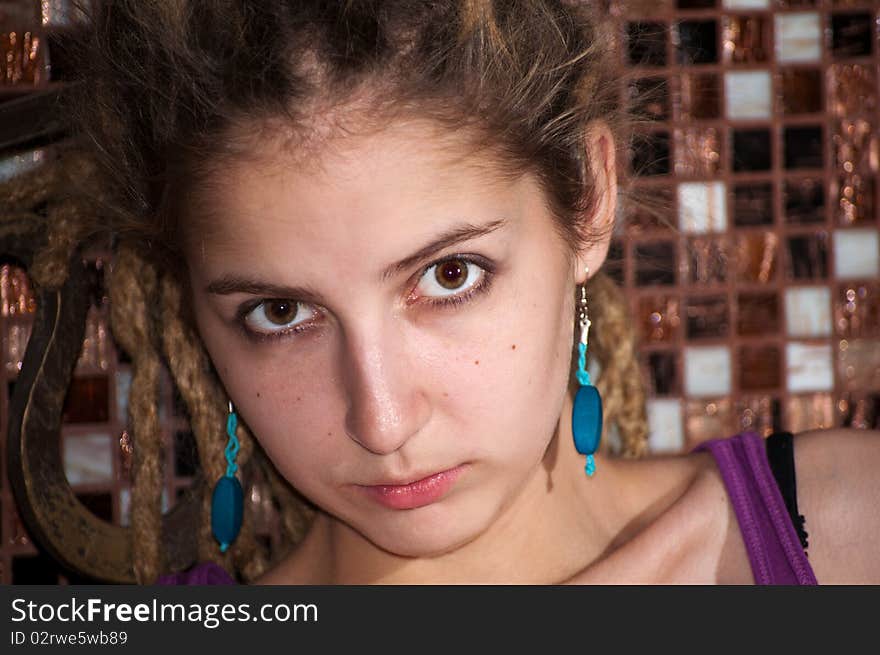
pixel 753 272
pixel 754 280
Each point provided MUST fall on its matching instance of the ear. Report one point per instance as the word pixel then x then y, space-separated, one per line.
pixel 601 161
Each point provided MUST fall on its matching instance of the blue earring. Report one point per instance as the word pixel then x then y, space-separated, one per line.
pixel 586 416
pixel 227 502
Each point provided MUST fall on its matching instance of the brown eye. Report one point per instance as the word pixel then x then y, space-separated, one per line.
pixel 451 274
pixel 278 315
pixel 280 312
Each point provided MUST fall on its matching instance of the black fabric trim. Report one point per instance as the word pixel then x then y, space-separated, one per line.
pixel 780 454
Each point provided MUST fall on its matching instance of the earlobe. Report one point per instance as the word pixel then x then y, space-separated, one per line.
pixel 602 166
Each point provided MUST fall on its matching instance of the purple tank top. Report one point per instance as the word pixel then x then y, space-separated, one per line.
pixel 774 551
pixel 201 574
pixel 772 544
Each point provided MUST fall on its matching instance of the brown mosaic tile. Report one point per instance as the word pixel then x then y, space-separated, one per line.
pixel 857 310
pixel 760 368
pixel 746 38
pixel 758 314
pixel 757 255
pixel 658 318
pixel 858 364
pixel 697 152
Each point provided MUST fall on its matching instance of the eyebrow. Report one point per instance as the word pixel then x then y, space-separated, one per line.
pixel 448 238
pixel 230 283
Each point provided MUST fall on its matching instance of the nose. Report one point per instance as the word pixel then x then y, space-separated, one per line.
pixel 387 405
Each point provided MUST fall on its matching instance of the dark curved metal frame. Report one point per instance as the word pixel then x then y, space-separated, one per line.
pixel 53 515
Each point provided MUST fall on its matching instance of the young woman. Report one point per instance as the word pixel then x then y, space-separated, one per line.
pixel 386 222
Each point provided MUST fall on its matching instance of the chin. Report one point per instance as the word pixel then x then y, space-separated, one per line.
pixel 424 532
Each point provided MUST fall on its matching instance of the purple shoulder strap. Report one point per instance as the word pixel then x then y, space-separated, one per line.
pixel 772 544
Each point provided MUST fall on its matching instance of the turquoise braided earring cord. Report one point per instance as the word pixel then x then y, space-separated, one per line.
pixel 583 377
pixel 232 446
pixel 227 502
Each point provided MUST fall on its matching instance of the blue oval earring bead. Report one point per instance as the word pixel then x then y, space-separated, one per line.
pixel 586 416
pixel 227 501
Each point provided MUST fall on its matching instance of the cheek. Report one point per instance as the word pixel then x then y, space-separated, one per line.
pixel 503 388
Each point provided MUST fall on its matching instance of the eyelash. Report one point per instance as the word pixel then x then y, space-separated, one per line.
pixel 442 302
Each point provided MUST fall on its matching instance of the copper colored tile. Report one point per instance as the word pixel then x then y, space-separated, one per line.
pixel 804 201
pixel 15 340
pixel 807 256
pixel 761 414
pixel 696 4
pixel 646 43
pixel 662 373
pixel 858 364
pixel 796 4
pixel 696 41
pixel 97 348
pixel 760 368
pixel 757 255
pixel 651 209
pixel 658 318
pixel 852 90
pixel 752 204
pixel 699 96
pixel 18 535
pixel 23 55
pixel 859 410
pixel 649 154
pixel 642 7
pixel 809 412
pixel 746 38
pixel 708 419
pixel 758 314
pixel 751 150
pixel 852 34
pixel 655 263
pixel 87 400
pixel 855 146
pixel 697 152
pixel 853 198
pixel 857 310
pixel 707 261
pixel 17 296
pixel 649 98
pixel 707 318
pixel 803 146
pixel 99 504
pixel 801 91
pixel 614 262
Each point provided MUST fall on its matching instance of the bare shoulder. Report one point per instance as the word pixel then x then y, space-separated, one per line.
pixel 838 491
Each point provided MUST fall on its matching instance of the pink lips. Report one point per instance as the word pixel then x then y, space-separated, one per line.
pixel 415 494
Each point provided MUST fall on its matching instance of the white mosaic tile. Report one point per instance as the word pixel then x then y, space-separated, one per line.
pixel 123 388
pixel 665 425
pixel 15 165
pixel 747 94
pixel 857 253
pixel 746 4
pixel 798 37
pixel 88 458
pixel 702 207
pixel 808 311
pixel 125 505
pixel 707 370
pixel 57 13
pixel 809 367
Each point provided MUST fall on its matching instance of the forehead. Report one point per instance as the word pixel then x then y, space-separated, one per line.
pixel 350 191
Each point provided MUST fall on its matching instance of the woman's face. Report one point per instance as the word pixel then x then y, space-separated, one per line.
pixel 384 309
